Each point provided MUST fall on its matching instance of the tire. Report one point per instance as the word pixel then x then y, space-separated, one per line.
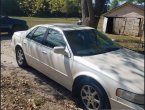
pixel 92 96
pixel 20 57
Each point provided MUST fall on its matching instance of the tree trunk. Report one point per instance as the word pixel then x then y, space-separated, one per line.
pixel 90 14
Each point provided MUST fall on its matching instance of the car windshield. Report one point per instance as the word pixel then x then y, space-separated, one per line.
pixel 89 42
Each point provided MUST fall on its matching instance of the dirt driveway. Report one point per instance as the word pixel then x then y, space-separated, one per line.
pixel 28 89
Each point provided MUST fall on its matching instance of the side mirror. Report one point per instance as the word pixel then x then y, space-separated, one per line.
pixel 61 50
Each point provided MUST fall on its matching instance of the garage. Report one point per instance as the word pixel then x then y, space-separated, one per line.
pixel 127 19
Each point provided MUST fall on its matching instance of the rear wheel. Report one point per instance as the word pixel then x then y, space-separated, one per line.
pixel 20 57
pixel 92 96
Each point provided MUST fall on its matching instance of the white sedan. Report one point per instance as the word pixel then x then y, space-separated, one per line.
pixel 99 72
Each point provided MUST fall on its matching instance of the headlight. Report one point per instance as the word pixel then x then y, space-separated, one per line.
pixel 130 96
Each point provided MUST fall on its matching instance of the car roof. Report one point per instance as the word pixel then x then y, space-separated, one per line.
pixel 67 26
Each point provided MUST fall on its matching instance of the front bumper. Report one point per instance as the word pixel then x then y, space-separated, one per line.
pixel 125 105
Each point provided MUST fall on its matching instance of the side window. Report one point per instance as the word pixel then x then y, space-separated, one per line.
pixel 31 33
pixel 54 38
pixel 39 34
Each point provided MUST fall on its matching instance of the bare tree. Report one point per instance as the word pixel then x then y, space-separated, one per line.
pixel 91 12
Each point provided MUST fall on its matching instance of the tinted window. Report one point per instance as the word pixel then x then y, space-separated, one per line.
pixel 54 38
pixel 89 42
pixel 39 34
pixel 31 33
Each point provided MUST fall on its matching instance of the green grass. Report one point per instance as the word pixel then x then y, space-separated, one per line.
pixel 129 42
pixel 32 21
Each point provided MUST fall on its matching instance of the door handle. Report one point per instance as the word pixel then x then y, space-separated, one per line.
pixel 44 52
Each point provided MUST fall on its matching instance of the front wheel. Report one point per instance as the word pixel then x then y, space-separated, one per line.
pixel 92 96
pixel 20 57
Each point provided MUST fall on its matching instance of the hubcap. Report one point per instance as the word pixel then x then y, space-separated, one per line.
pixel 90 97
pixel 20 57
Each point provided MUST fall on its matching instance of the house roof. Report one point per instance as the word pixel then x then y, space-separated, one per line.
pixel 141 7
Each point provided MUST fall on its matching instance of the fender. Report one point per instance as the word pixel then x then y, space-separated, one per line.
pixel 18 44
pixel 93 76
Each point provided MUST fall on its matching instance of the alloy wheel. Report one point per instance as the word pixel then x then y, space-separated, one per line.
pixel 90 97
pixel 20 56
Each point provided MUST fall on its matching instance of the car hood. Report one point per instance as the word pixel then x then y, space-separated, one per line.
pixel 123 65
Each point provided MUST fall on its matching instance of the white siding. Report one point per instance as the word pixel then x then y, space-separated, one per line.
pixel 105 24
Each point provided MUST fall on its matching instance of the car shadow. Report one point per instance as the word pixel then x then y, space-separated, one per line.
pixel 60 92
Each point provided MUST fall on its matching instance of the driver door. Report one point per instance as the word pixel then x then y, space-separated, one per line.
pixel 57 66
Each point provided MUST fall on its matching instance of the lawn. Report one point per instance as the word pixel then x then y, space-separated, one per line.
pixel 31 21
pixel 129 42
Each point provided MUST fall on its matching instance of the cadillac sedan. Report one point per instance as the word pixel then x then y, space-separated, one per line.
pixel 98 71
